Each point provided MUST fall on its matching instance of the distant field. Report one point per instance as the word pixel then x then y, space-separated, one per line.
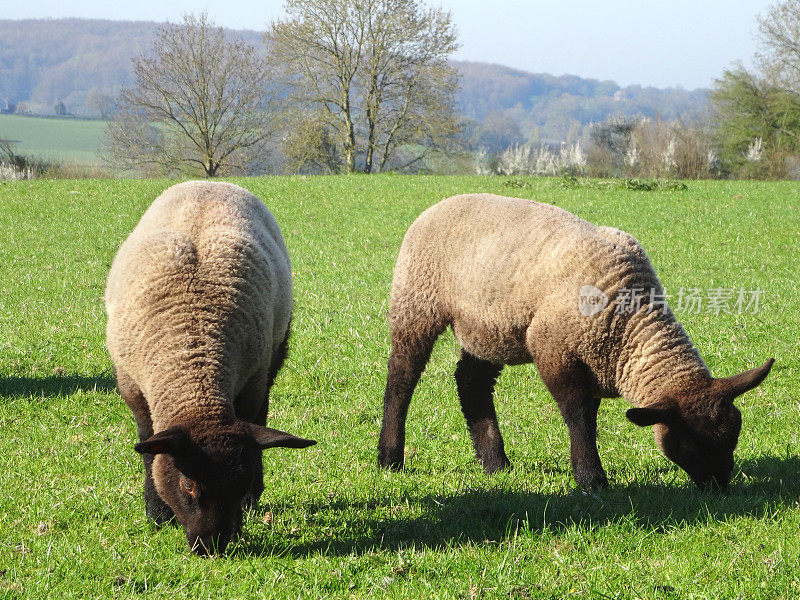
pixel 75 140
pixel 330 524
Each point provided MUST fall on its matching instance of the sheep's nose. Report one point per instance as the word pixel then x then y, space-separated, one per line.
pixel 208 545
pixel 714 483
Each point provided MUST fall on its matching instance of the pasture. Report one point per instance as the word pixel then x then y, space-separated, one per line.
pixel 72 140
pixel 330 524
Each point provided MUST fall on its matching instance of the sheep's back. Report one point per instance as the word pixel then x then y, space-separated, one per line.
pixel 487 265
pixel 199 295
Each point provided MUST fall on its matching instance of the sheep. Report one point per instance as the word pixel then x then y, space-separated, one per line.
pixel 520 282
pixel 199 303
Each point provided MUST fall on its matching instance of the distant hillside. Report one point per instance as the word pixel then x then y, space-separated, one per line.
pixel 83 63
pixel 488 87
pixel 546 107
pixel 44 62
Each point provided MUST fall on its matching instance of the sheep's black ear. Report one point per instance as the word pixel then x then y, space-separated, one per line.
pixel 650 416
pixel 737 385
pixel 266 437
pixel 170 441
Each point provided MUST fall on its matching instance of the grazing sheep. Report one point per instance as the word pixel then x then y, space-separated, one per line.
pixel 199 300
pixel 522 282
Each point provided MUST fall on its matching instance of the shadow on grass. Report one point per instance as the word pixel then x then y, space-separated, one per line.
pixel 56 385
pixel 493 515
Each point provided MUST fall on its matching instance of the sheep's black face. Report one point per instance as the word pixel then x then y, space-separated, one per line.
pixel 700 443
pixel 707 461
pixel 204 481
pixel 698 428
pixel 204 476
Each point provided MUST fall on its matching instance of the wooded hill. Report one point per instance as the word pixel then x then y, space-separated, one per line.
pixel 77 66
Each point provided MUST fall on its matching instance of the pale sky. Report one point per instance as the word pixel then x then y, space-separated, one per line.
pixel 650 42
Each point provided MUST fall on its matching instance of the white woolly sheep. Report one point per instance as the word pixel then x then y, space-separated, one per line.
pixel 199 302
pixel 523 282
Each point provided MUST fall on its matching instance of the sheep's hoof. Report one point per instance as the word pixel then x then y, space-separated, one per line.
pixel 591 482
pixel 495 463
pixel 156 509
pixel 391 460
pixel 393 466
pixel 250 500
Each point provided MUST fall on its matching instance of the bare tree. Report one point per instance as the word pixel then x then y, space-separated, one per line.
pixel 376 72
pixel 409 86
pixel 100 103
pixel 198 105
pixel 779 34
pixel 315 54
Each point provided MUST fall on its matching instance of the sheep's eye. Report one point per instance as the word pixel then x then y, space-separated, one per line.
pixel 188 486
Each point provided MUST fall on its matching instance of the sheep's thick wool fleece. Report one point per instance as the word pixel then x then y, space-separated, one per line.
pixel 506 273
pixel 199 297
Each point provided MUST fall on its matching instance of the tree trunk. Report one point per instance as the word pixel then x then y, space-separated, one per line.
pixel 350 145
pixel 372 117
pixel 370 146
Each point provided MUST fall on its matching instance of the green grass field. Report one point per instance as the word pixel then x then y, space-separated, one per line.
pixel 330 523
pixel 73 140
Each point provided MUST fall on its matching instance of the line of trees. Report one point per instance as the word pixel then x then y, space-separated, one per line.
pixel 344 85
pixel 752 130
pixel 364 85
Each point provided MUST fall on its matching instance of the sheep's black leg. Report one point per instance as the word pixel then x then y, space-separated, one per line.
pixel 155 508
pixel 277 362
pixel 406 363
pixel 475 379
pixel 252 404
pixel 580 414
pixel 571 390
